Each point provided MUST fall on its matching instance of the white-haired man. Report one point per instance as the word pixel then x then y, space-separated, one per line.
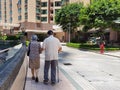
pixel 52 47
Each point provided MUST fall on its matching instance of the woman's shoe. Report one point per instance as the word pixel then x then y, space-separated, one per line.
pixel 33 78
pixel 36 79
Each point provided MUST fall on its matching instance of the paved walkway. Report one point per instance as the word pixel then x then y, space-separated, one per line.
pixel 63 84
pixel 113 53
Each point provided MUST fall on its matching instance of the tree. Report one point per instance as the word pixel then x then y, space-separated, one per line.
pixel 100 14
pixel 69 14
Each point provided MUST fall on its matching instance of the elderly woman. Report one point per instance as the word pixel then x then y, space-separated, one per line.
pixel 34 57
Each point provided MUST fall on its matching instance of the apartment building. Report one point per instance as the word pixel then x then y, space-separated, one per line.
pixel 40 16
pixel 8 18
pixel 29 14
pixel 35 16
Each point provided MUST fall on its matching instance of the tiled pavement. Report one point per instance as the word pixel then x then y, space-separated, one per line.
pixel 63 84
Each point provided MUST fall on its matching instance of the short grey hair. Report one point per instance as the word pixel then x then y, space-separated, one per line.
pixel 34 38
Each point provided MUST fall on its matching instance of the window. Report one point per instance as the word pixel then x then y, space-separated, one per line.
pixel 26 1
pixel 0 18
pixel 10 12
pixel 37 10
pixel 19 17
pixel 10 0
pixel 25 10
pixel 44 12
pixel 10 5
pixel 44 4
pixel 19 2
pixel 51 18
pixel 19 10
pixel 51 4
pixel 38 3
pixel 43 19
pixel 51 11
pixel 26 17
pixel 58 3
pixel 10 19
pixel 38 17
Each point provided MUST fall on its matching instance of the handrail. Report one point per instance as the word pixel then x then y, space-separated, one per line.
pixel 4 50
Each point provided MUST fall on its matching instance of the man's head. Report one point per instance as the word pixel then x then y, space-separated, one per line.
pixel 50 32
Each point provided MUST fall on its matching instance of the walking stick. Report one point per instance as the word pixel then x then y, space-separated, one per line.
pixel 57 71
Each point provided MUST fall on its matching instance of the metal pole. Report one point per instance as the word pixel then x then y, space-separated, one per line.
pixel 57 71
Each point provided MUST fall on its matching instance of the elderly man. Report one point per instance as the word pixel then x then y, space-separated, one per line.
pixel 52 47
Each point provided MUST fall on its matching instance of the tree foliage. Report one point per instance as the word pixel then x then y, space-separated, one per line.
pixel 69 14
pixel 100 13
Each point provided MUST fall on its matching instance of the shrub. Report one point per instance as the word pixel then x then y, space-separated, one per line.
pixel 91 47
pixel 12 38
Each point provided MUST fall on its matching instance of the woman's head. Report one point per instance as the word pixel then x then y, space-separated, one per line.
pixel 34 38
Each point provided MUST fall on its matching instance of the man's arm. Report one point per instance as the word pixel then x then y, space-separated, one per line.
pixel 60 49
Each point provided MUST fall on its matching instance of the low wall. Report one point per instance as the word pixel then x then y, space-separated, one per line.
pixel 13 72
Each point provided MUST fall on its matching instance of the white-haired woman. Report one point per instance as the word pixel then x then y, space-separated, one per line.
pixel 34 57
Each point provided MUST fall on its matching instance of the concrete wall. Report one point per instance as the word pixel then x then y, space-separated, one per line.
pixel 18 84
pixel 13 72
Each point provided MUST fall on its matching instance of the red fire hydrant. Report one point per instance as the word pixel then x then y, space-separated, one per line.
pixel 102 48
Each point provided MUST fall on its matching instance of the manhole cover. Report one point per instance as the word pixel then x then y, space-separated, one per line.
pixel 67 64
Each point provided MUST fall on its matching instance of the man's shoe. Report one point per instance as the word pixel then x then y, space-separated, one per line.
pixel 52 83
pixel 36 79
pixel 45 82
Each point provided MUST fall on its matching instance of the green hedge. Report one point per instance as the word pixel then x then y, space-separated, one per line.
pixel 12 38
pixel 91 47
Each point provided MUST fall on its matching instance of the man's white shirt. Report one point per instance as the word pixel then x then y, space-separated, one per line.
pixel 51 46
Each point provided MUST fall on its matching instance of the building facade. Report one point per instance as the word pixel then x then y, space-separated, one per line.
pixel 36 16
pixel 8 15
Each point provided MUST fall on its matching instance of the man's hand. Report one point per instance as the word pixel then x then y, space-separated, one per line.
pixel 60 49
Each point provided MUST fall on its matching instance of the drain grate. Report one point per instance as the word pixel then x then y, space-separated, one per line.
pixel 67 63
